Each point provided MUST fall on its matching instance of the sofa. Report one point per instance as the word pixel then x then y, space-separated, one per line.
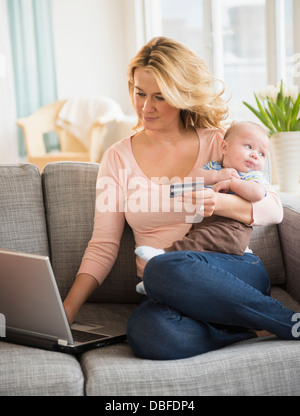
pixel 52 214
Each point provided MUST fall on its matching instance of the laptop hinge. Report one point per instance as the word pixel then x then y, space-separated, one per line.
pixel 62 342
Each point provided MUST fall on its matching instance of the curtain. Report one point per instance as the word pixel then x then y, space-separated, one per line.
pixel 8 129
pixel 30 23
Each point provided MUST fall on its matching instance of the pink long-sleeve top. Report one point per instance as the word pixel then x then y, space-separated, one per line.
pixel 124 192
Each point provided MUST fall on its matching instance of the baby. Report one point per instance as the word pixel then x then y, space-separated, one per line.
pixel 245 148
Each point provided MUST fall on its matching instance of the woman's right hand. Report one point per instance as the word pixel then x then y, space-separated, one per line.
pixel 209 202
pixel 204 201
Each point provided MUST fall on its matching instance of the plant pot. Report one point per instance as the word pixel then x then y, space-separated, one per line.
pixel 286 152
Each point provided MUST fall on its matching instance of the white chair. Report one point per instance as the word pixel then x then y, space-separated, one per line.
pixel 104 136
pixel 100 126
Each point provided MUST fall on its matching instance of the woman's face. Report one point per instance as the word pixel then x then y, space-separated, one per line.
pixel 153 111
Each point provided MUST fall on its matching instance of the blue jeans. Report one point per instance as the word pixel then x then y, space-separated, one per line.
pixel 198 302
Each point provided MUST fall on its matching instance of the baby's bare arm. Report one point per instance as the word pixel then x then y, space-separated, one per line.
pixel 213 176
pixel 250 190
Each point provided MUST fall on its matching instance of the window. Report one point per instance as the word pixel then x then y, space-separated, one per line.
pixel 244 56
pixel 289 41
pixel 246 43
pixel 183 23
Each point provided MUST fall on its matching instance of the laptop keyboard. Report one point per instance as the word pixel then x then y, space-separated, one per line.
pixel 81 336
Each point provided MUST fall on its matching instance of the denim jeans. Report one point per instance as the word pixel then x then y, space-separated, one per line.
pixel 198 302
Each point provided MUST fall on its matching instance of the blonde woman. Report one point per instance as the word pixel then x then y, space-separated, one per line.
pixel 180 128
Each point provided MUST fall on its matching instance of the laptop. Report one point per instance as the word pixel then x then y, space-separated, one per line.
pixel 34 312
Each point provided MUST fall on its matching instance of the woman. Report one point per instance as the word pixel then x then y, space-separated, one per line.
pixel 179 130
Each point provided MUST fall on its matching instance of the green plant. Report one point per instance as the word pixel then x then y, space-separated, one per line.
pixel 278 108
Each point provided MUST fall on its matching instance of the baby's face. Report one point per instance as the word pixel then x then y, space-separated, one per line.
pixel 246 149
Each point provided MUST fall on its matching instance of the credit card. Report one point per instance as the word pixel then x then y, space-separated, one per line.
pixel 178 189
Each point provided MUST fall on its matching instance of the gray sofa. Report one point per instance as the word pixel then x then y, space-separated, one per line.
pixel 52 214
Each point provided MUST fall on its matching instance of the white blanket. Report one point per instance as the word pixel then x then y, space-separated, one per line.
pixel 80 113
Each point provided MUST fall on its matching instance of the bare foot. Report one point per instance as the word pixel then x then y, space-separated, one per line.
pixel 261 334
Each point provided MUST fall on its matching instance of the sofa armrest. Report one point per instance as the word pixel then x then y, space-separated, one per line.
pixel 289 234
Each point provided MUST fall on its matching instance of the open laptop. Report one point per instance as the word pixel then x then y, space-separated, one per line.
pixel 33 309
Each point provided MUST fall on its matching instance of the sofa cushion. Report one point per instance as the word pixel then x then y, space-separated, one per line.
pixel 69 192
pixel 254 367
pixel 289 231
pixel 22 218
pixel 285 298
pixel 262 366
pixel 33 372
pixel 266 245
pixel 113 315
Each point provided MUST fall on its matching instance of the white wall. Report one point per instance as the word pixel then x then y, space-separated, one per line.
pixel 93 44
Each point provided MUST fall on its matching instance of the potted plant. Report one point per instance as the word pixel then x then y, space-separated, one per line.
pixel 278 109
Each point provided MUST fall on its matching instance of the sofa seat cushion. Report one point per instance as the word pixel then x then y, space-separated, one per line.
pixel 33 372
pixel 262 366
pixel 255 367
pixel 287 300
pixel 111 314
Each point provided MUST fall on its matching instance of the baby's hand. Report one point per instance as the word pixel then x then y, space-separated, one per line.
pixel 222 186
pixel 227 173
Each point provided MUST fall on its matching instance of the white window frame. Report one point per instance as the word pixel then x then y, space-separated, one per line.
pixel 275 38
pixel 296 39
pixel 212 9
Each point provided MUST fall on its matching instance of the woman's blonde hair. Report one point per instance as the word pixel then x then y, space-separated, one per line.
pixel 184 81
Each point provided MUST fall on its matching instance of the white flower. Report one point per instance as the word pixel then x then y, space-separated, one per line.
pixel 275 110
pixel 272 91
pixel 290 91
pixel 293 92
pixel 261 94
